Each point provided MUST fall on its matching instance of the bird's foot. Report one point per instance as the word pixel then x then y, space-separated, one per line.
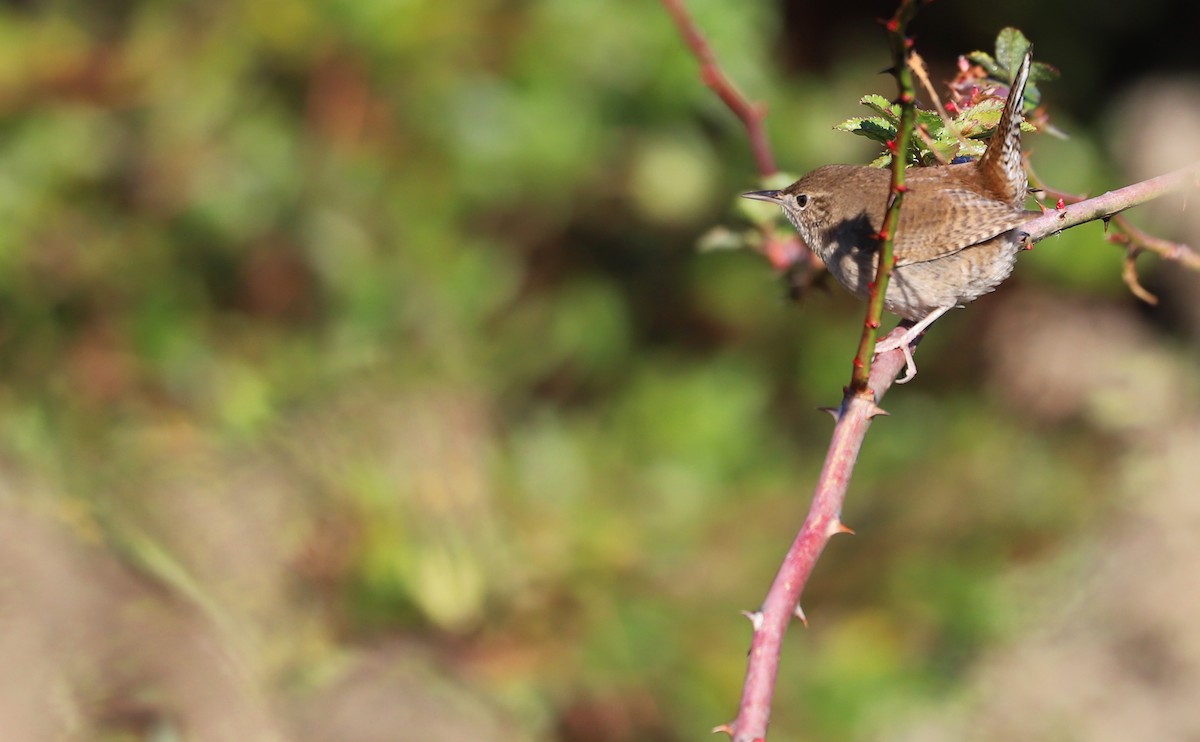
pixel 906 341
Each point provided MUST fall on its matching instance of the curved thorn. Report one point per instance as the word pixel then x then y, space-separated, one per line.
pixel 837 526
pixel 756 618
pixel 799 613
pixel 874 410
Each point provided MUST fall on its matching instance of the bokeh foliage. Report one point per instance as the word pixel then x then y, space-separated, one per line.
pixel 433 262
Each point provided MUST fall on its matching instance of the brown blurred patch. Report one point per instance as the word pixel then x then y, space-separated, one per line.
pixel 1059 358
pixel 277 283
pixel 609 718
pixel 1108 646
pixel 393 693
pixel 103 368
pixel 86 644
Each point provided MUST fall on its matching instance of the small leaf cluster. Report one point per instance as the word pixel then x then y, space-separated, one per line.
pixel 1011 46
pixel 973 108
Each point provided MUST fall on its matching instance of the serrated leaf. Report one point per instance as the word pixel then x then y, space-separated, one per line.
pixel 932 121
pixel 874 128
pixel 980 118
pixel 973 149
pixel 1011 46
pixel 850 125
pixel 882 106
pixel 947 146
pixel 882 161
pixel 984 60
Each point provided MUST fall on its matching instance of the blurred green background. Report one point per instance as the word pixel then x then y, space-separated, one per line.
pixel 361 381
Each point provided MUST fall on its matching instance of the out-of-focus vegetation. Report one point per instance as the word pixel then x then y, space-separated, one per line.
pixel 369 336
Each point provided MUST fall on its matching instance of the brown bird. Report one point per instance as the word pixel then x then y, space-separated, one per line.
pixel 959 230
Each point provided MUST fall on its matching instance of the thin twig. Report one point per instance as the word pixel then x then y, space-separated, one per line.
pixel 1130 277
pixel 714 77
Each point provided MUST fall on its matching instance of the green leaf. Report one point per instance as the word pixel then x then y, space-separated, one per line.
pixel 1011 46
pixel 875 128
pixel 981 118
pixel 1033 97
pixel 882 106
pixel 932 121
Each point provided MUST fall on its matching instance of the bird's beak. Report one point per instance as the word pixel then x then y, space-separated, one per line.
pixel 768 196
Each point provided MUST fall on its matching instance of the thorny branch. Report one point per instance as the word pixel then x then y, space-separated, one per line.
pixel 854 416
pixel 1077 209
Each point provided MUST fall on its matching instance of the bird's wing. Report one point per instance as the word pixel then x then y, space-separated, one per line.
pixel 963 218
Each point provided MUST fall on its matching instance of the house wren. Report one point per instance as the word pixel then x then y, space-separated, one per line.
pixel 959 230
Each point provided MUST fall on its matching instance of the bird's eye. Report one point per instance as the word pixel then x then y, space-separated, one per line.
pixel 801 200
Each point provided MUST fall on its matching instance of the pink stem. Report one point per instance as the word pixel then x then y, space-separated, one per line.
pixel 714 77
pixel 823 521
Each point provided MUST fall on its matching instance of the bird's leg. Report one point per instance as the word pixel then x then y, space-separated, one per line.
pixel 904 342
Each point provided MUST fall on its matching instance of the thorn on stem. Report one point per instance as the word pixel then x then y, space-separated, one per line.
pixel 874 410
pixel 756 619
pixel 836 527
pixel 834 412
pixel 799 613
pixel 723 729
